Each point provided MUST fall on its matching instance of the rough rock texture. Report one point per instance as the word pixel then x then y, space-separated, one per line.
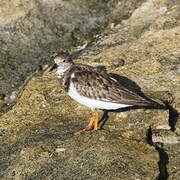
pixel 38 140
pixel 30 31
pixel 36 136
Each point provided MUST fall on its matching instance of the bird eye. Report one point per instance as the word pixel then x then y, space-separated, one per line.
pixel 64 60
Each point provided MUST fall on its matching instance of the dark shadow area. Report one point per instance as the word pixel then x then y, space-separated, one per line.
pixel 9 156
pixel 163 161
pixel 137 107
pixel 46 170
pixel 163 157
pixel 173 116
pixel 103 119
pixel 43 137
pixel 105 115
pixel 41 132
pixel 149 137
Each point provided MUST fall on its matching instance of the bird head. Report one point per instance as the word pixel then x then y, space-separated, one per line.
pixel 62 60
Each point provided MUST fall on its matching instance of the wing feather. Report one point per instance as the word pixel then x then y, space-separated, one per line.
pixel 101 86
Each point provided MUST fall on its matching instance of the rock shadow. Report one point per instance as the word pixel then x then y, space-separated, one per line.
pixel 9 156
pixel 163 157
pixel 173 116
pixel 36 134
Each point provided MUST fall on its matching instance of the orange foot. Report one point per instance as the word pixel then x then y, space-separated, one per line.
pixel 92 126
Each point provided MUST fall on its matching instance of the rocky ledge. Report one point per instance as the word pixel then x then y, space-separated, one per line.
pixel 36 135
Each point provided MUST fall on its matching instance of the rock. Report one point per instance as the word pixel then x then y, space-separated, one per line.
pixel 165 137
pixel 39 142
pixel 173 168
pixel 39 132
pixel 36 135
pixel 30 32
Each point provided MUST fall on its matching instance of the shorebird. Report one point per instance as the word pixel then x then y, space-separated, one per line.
pixel 94 88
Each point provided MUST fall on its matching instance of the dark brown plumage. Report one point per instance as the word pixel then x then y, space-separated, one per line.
pixel 95 88
pixel 96 84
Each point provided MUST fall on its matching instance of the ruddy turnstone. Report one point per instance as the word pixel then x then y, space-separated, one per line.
pixel 94 88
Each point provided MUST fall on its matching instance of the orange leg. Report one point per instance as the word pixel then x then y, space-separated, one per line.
pixel 96 119
pixel 93 124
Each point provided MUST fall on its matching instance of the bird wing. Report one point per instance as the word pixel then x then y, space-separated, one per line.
pixel 101 86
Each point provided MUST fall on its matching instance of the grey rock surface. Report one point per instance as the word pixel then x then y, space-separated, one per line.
pixel 36 135
pixel 30 32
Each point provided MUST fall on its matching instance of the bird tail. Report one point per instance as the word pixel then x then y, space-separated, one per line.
pixel 151 103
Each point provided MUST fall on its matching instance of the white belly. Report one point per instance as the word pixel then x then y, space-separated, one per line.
pixel 92 103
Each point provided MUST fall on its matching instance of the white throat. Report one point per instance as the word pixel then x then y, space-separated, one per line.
pixel 61 70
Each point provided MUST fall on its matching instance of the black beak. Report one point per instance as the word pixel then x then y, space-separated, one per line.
pixel 54 66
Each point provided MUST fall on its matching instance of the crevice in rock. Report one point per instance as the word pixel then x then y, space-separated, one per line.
pixel 173 116
pixel 163 156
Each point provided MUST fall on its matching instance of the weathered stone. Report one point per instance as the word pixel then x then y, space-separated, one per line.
pixel 165 137
pixel 31 31
pixel 36 136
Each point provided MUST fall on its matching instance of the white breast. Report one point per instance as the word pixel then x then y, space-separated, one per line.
pixel 60 71
pixel 92 103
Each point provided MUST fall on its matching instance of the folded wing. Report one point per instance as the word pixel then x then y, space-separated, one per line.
pixel 101 86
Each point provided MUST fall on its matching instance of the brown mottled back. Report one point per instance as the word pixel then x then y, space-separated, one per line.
pixel 95 83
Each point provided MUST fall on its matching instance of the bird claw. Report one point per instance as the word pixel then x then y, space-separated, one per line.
pixel 92 128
